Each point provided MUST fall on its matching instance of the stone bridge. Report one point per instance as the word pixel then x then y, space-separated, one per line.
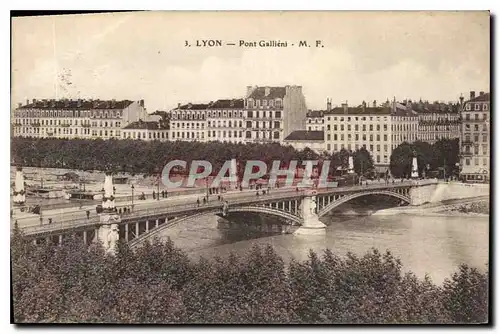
pixel 301 209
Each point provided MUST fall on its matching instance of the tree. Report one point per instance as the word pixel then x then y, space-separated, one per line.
pixel 363 162
pixel 401 161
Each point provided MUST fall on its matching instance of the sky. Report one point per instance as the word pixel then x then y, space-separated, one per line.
pixel 142 55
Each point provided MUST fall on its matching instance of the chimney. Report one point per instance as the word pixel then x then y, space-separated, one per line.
pixel 178 104
pixel 328 104
pixel 249 90
pixel 79 103
pixel 345 106
pixel 19 105
pixel 287 89
pixel 34 101
pixel 472 94
pixel 481 93
pixel 364 105
pixel 461 99
pixel 267 91
pixel 141 103
pixel 374 103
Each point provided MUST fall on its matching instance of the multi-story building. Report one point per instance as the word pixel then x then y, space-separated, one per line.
pixel 436 120
pixel 475 138
pixel 300 139
pixel 226 121
pixel 189 122
pixel 272 113
pixel 379 129
pixel 315 120
pixel 146 130
pixel 76 118
pixel 267 114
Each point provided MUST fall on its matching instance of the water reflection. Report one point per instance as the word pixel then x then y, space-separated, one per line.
pixel 434 245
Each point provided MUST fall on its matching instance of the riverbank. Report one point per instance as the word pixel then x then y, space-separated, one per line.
pixel 476 209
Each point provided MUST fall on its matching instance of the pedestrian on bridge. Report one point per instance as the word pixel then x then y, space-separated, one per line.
pixel 50 221
pixel 204 201
pixel 198 201
pixel 154 195
pixel 88 214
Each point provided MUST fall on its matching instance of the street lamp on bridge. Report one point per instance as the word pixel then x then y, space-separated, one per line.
pixel 132 187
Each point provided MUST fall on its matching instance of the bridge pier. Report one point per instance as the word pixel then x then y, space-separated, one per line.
pixel 311 224
pixel 107 234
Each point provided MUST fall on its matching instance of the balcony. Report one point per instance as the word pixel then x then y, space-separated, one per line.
pixel 36 124
pixel 85 125
pixel 467 154
pixel 64 125
pixel 467 142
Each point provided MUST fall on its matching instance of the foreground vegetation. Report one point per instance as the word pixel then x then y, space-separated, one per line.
pixel 158 284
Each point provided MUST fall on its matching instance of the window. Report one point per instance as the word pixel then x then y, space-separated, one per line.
pixel 348 119
pixel 334 127
pixel 356 127
pixel 467 117
pixel 341 136
pixel 276 135
pixel 334 136
pixel 477 106
pixel 250 114
pixel 328 148
pixel 277 113
pixel 485 161
pixel 378 158
pixel 249 124
pixel 378 137
pixel 248 134
pixel 378 127
pixel 385 137
pixel 371 137
pixel 357 136
pixel 276 125
pixel 476 127
pixel 364 137
pixel 476 161
pixel 467 162
pixel 476 117
pixel 476 138
pixel 485 149
pixel 364 127
pixel 349 136
pixel 485 138
pixel 348 127
pixel 385 148
pixel 328 137
pixel 378 148
pixel 485 106
pixel 328 127
pixel 371 148
pixel 341 127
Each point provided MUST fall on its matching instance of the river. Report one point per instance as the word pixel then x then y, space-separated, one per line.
pixel 426 245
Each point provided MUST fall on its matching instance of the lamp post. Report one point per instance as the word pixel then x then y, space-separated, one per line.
pixel 132 187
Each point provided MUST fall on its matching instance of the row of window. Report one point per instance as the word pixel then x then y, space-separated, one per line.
pixel 468 127
pixel 146 135
pixel 69 113
pixel 476 138
pixel 360 118
pixel 476 117
pixel 356 137
pixel 264 103
pixel 476 162
pixel 50 122
pixel 67 131
pixel 378 157
pixel 476 149
pixel 477 106
pixel 250 114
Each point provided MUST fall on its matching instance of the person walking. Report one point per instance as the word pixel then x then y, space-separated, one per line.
pixel 88 214
pixel 198 202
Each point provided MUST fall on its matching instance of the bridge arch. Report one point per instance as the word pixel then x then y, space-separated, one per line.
pixel 250 209
pixel 349 197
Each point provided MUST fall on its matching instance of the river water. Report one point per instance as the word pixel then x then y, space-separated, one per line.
pixel 426 245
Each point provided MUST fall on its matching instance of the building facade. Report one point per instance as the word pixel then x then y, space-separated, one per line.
pixel 266 114
pixel 300 139
pixel 436 120
pixel 76 118
pixel 475 138
pixel 315 120
pixel 378 129
pixel 146 130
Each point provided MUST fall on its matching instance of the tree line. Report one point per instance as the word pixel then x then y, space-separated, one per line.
pixel 149 157
pixel 157 283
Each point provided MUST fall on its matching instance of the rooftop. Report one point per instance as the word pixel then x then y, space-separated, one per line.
pixel 359 111
pixel 272 93
pixel 306 135
pixel 481 98
pixel 315 113
pixel 77 104
pixel 141 125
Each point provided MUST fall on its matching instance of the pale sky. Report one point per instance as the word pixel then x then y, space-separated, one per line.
pixel 366 56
